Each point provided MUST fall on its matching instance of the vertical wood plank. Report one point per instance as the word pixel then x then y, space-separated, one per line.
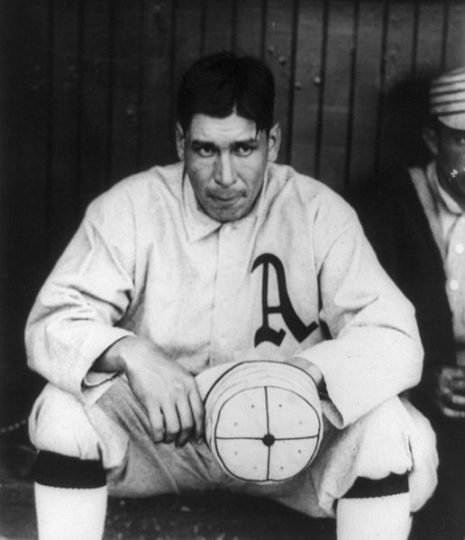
pixel 189 24
pixel 66 123
pixel 369 58
pixel 96 104
pixel 6 120
pixel 400 41
pixel 249 27
pixel 279 57
pixel 455 48
pixel 125 88
pixel 307 87
pixel 218 26
pixel 430 37
pixel 337 94
pixel 26 91
pixel 157 88
pixel 399 64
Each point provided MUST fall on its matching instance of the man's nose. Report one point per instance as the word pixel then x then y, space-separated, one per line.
pixel 224 173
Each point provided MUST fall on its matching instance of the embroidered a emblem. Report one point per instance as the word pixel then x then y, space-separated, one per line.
pixel 294 323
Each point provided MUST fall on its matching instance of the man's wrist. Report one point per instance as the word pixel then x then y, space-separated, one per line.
pixel 114 358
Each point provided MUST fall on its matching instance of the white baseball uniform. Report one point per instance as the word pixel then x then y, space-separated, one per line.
pixel 296 277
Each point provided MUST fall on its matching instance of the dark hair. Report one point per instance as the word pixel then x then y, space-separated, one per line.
pixel 222 83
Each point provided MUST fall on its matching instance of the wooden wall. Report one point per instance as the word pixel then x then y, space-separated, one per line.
pixel 87 97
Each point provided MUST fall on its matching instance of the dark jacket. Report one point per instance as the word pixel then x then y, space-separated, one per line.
pixel 397 226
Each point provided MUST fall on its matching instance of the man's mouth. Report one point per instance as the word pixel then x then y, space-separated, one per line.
pixel 225 199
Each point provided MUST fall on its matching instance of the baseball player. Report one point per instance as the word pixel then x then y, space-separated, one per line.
pixel 415 219
pixel 161 327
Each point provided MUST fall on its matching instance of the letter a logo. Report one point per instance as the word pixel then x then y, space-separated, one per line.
pixel 265 333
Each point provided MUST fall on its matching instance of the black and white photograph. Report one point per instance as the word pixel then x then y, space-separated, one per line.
pixel 232 261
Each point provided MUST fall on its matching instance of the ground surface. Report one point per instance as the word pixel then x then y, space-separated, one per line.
pixel 206 516
pixel 211 516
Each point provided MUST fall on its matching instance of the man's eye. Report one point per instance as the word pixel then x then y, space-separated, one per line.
pixel 243 150
pixel 205 151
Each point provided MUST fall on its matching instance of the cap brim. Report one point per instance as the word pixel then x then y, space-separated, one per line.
pixel 206 379
pixel 454 121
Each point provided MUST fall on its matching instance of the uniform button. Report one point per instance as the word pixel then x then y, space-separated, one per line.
pixel 454 284
pixel 459 249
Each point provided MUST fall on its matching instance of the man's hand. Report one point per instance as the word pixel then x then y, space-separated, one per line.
pixel 167 391
pixel 450 391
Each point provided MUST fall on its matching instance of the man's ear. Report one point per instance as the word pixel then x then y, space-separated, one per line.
pixel 180 141
pixel 274 142
pixel 431 139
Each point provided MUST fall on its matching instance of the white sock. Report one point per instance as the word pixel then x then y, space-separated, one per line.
pixel 70 514
pixel 375 518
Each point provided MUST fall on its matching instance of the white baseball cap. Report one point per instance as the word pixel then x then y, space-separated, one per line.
pixel 447 98
pixel 263 420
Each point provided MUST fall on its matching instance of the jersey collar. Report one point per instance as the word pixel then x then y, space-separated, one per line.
pixel 198 224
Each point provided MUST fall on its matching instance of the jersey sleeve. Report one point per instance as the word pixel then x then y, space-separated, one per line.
pixel 374 352
pixel 77 313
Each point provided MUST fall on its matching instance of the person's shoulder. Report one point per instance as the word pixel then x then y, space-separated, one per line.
pixel 153 182
pixel 143 189
pixel 303 185
pixel 312 206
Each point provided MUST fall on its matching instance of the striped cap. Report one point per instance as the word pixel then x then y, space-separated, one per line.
pixel 263 420
pixel 447 98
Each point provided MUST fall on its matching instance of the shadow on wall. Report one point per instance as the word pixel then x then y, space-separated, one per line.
pixel 405 115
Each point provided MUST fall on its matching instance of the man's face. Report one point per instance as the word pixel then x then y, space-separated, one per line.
pixel 448 148
pixel 225 159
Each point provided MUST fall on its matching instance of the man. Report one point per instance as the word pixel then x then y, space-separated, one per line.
pixel 224 257
pixel 416 223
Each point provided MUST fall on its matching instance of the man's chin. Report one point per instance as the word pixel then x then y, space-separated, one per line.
pixel 225 215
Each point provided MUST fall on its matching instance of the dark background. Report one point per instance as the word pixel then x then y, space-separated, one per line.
pixel 87 93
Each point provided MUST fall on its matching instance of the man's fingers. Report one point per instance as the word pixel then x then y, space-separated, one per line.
pixel 198 412
pixel 456 399
pixel 163 388
pixel 192 418
pixel 451 375
pixel 186 421
pixel 172 425
pixel 450 412
pixel 457 384
pixel 157 424
pixel 452 392
pixel 450 402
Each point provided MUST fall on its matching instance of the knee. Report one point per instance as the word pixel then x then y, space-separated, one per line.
pixel 380 441
pixel 393 438
pixel 423 476
pixel 396 438
pixel 58 423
